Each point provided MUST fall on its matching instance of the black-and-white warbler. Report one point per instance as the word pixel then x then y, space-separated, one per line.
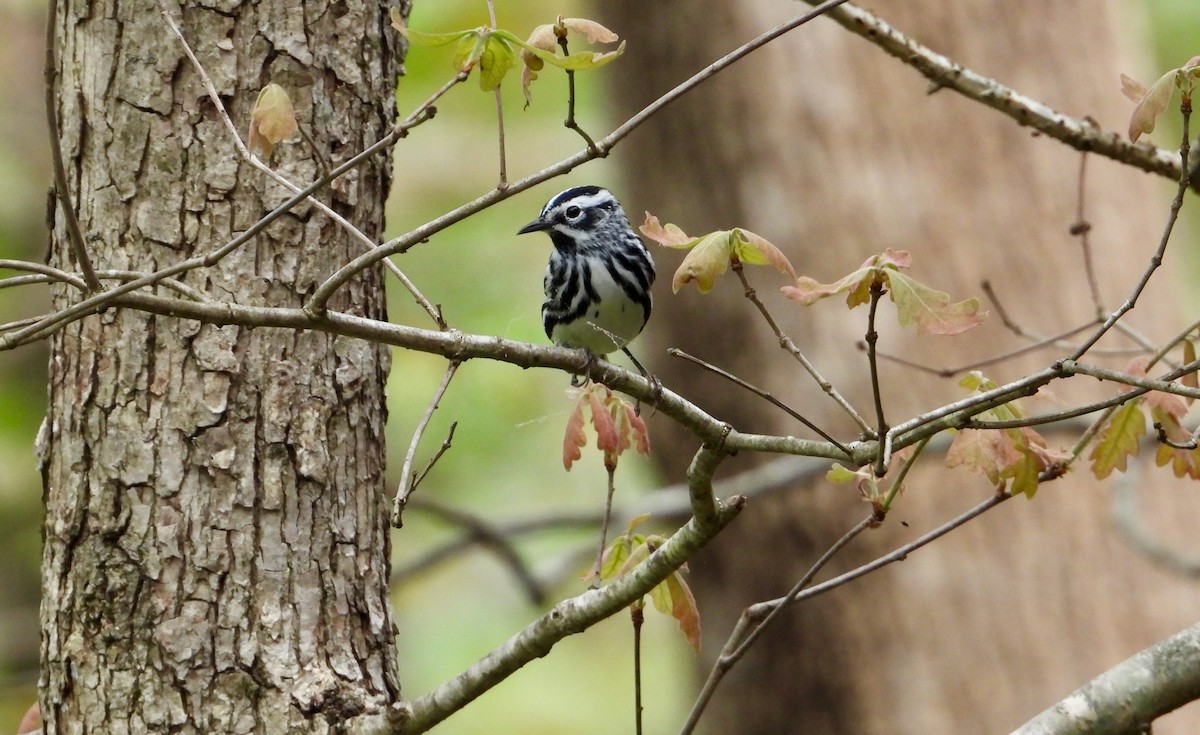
pixel 598 280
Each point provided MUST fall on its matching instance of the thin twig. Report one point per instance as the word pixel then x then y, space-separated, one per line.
pixel 1185 109
pixel 676 352
pixel 570 121
pixel 611 470
pixel 945 73
pixel 445 447
pixel 872 337
pixel 755 619
pixel 786 343
pixel 1082 229
pixel 407 478
pixel 491 6
pixel 637 613
pixel 61 187
pixel 496 540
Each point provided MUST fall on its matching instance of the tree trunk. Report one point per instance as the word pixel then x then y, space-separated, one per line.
pixel 835 151
pixel 216 542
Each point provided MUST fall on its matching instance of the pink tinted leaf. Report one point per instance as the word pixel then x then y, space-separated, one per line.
pixel 669 235
pixel 574 439
pixel 590 30
pixel 1153 103
pixel 808 291
pixel 673 597
pixel 1132 89
pixel 640 433
pixel 931 310
pixel 607 439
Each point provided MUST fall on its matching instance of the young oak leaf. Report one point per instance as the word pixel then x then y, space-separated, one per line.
pixel 615 421
pixel 272 120
pixel 1016 457
pixel 542 43
pixel 856 284
pixel 916 304
pixel 673 597
pixel 1118 440
pixel 930 309
pixel 1153 102
pixel 1184 462
pixel 710 255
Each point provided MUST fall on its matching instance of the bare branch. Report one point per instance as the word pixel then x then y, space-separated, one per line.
pixel 676 352
pixel 946 74
pixel 408 481
pixel 786 343
pixel 1129 696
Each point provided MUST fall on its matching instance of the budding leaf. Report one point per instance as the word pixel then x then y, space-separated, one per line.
pixel 1016 457
pixel 615 421
pixel 710 255
pixel 916 303
pixel 673 597
pixel 1118 440
pixel 273 119
pixel 930 309
pixel 542 45
pixel 1154 101
pixel 494 62
pixel 856 285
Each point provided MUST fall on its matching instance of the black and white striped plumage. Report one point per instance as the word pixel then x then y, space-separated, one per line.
pixel 598 280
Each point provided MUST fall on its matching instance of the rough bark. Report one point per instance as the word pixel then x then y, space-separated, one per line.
pixel 834 151
pixel 216 546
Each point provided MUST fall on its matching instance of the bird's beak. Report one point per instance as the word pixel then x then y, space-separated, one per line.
pixel 537 225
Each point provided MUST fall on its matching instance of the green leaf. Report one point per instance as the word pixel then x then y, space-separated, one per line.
pixel 930 309
pixel 495 61
pixel 756 250
pixel 1118 440
pixel 673 597
pixel 710 255
pixel 840 475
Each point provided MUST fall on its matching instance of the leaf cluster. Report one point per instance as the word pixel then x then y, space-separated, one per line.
pixel 493 50
pixel 672 596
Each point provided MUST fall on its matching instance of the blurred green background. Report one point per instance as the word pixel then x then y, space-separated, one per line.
pixel 505 463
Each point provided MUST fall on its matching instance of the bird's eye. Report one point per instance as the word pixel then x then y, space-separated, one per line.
pixel 573 212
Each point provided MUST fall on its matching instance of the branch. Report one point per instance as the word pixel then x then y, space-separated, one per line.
pixel 1126 698
pixel 408 480
pixel 568 617
pixel 460 347
pixel 944 73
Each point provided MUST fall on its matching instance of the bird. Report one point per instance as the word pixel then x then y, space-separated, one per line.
pixel 598 280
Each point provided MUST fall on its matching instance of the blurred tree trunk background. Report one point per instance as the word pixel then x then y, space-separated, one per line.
pixel 834 151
